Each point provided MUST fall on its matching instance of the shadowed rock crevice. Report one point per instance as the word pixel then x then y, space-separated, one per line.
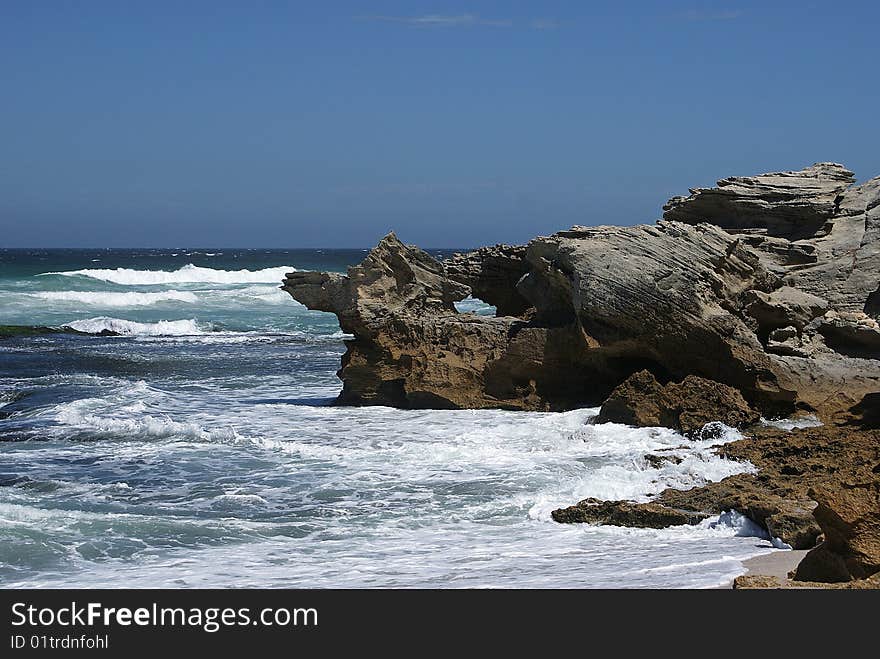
pixel 872 305
pixel 492 273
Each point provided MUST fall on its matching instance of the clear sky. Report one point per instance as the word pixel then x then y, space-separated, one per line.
pixel 301 124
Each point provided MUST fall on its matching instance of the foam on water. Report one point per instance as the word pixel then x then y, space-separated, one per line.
pixel 131 422
pixel 804 421
pixel 187 274
pixel 110 299
pixel 377 496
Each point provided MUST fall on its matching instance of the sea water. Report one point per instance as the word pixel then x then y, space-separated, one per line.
pixel 200 448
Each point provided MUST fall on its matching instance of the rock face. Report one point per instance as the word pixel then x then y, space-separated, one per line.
pixel 767 284
pixel 413 349
pixel 686 406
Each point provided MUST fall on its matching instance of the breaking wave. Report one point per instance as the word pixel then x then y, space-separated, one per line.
pixel 188 274
pixel 127 299
pixel 103 324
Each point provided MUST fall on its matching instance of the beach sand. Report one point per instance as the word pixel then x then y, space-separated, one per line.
pixel 776 564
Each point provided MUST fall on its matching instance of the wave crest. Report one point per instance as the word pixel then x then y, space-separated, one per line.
pixel 103 324
pixel 188 274
pixel 127 299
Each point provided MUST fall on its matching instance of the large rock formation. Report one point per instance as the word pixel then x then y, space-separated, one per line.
pixel 411 348
pixel 768 284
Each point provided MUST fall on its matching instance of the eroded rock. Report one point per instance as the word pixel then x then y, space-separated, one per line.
pixel 789 464
pixel 849 515
pixel 767 284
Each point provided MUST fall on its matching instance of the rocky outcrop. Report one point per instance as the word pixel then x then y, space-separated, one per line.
pixel 667 298
pixel 782 509
pixel 767 284
pixel 411 348
pixel 686 406
pixel 625 513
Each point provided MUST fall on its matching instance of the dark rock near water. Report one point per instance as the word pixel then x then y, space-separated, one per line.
pixel 686 406
pixel 658 461
pixel 17 331
pixel 625 513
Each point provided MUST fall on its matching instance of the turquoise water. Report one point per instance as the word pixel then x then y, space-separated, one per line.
pixel 200 448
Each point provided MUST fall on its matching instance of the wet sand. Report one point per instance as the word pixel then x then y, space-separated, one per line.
pixel 776 564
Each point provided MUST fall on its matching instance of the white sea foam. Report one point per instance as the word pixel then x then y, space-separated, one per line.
pixel 742 526
pixel 7 397
pixel 188 274
pixel 104 417
pixel 132 328
pixel 794 423
pixel 110 299
pixel 403 498
pixel 261 294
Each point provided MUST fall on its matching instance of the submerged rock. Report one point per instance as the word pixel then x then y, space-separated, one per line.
pixel 658 461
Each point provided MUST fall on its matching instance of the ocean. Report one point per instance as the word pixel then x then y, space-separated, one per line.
pixel 200 448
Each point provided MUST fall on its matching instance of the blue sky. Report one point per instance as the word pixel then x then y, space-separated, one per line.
pixel 294 124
